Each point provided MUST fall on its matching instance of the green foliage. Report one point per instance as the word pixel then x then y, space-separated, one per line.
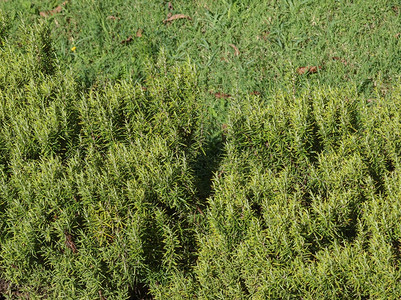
pixel 124 175
pixel 272 37
pixel 97 193
pixel 297 202
pixel 4 27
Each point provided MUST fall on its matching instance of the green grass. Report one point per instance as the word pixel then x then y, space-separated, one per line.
pixel 194 161
pixel 274 39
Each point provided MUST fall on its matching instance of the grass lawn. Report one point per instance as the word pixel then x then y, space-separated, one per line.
pixel 237 46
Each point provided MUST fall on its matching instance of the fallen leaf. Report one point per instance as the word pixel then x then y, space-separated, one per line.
pixel 264 36
pixel 340 59
pixel 314 69
pixel 222 95
pixel 139 32
pixel 200 211
pixel 112 18
pixel 255 93
pixel 176 17
pixel 308 70
pixel 397 35
pixel 101 295
pixel 170 6
pixel 236 51
pixel 395 9
pixel 69 242
pixel 56 10
pixel 302 70
pixel 127 40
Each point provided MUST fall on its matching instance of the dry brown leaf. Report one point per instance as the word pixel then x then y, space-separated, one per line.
pixel 69 242
pixel 302 70
pixel 200 211
pixel 314 69
pixel 236 51
pixel 113 18
pixel 308 70
pixel 56 10
pixel 176 17
pixel 340 59
pixel 397 35
pixel 265 35
pixel 127 40
pixel 101 295
pixel 139 32
pixel 170 6
pixel 255 93
pixel 222 95
pixel 395 9
pixel 4 285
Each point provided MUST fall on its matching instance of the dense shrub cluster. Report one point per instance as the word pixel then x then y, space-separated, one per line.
pixel 307 202
pixel 100 199
pixel 97 194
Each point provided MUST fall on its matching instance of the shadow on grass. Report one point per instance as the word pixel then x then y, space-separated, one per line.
pixel 205 166
pixel 139 292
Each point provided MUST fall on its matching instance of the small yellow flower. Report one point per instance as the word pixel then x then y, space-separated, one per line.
pixel 73 49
